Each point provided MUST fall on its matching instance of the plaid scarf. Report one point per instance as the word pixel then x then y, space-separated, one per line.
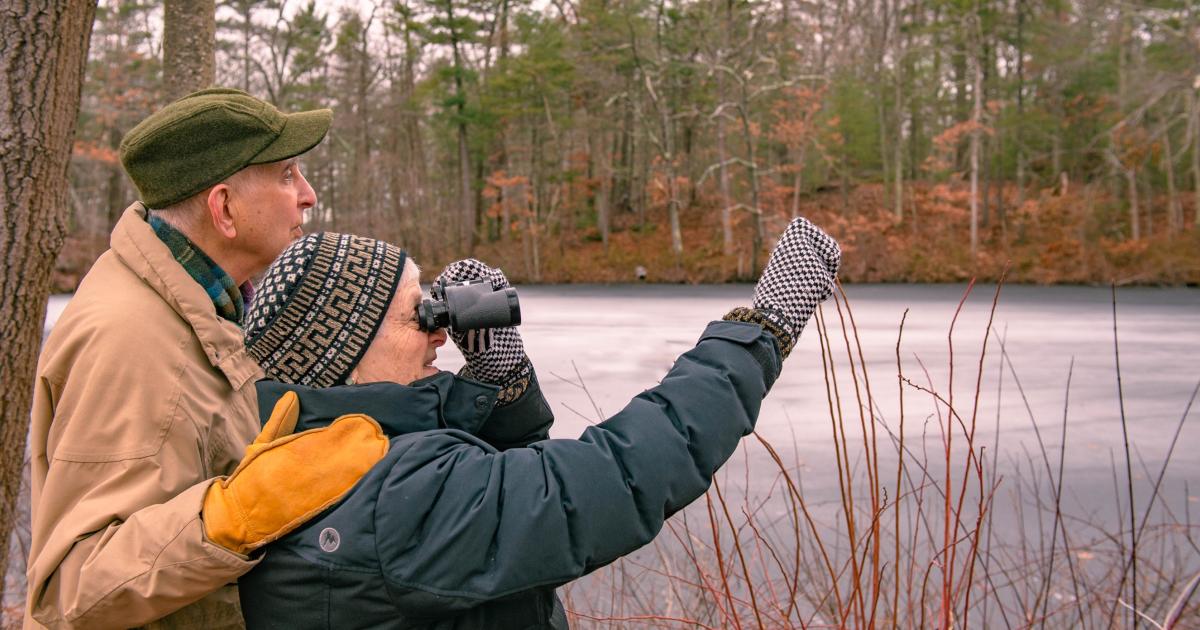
pixel 226 295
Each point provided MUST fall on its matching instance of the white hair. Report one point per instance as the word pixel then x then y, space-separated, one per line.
pixel 411 273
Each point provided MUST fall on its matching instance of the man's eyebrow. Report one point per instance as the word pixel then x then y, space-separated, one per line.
pixel 290 162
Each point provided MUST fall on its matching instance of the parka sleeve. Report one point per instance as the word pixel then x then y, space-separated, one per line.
pixel 466 524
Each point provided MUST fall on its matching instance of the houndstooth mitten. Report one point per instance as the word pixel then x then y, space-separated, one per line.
pixel 494 355
pixel 799 276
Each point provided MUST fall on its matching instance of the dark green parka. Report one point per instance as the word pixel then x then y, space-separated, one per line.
pixel 460 526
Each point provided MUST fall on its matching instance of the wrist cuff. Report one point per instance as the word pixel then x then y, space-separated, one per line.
pixel 512 386
pixel 771 321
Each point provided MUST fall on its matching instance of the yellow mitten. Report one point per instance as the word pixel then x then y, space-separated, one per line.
pixel 286 479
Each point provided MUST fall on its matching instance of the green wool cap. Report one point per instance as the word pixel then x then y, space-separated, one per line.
pixel 206 136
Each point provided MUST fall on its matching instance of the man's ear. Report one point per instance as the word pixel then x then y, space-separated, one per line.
pixel 219 212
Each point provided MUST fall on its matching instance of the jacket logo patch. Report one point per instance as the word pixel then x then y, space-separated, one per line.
pixel 329 540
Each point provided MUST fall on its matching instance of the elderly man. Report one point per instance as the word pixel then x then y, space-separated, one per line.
pixel 145 400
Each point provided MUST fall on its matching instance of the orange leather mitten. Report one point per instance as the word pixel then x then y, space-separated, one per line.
pixel 286 479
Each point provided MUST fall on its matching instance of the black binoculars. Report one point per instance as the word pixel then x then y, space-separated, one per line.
pixel 469 305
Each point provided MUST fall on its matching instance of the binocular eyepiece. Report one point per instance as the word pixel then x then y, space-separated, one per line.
pixel 469 305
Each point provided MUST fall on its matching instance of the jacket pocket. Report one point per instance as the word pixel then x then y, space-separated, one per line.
pixel 109 417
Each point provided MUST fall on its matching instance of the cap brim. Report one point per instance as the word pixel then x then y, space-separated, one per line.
pixel 301 132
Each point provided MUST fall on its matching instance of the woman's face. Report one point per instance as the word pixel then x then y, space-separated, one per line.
pixel 401 352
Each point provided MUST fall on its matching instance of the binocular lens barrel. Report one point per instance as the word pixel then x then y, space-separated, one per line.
pixel 469 306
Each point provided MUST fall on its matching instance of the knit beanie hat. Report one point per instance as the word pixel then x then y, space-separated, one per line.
pixel 319 306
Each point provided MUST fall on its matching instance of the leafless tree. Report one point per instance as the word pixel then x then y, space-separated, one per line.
pixel 189 46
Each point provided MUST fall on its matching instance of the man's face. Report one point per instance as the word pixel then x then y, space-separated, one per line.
pixel 268 202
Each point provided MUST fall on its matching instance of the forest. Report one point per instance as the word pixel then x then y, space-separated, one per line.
pixel 578 140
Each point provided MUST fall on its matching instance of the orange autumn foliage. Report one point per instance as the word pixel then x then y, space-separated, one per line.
pixel 1049 239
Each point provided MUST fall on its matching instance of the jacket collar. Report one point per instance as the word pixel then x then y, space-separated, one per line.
pixel 134 242
pixel 441 401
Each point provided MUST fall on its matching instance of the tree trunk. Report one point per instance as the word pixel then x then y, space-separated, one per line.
pixel 898 141
pixel 977 119
pixel 988 145
pixel 998 179
pixel 466 199
pixel 669 159
pixel 623 173
pixel 362 175
pixel 1174 211
pixel 601 160
pixel 885 154
pixel 418 202
pixel 672 186
pixel 1056 152
pixel 723 174
pixel 1123 36
pixel 798 182
pixel 1135 222
pixel 959 59
pixel 531 214
pixel 759 228
pixel 915 114
pixel 723 185
pixel 43 50
pixel 247 29
pixel 189 46
pixel 1020 52
pixel 1194 120
pixel 117 199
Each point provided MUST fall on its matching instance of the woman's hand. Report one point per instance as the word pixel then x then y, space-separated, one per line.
pixel 800 275
pixel 494 355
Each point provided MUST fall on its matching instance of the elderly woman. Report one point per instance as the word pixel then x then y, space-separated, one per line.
pixel 473 516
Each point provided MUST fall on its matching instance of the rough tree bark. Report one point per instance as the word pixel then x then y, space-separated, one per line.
pixel 189 46
pixel 43 50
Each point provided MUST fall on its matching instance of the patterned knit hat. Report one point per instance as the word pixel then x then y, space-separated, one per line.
pixel 319 306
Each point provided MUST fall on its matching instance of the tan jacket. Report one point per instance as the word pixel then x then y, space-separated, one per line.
pixel 143 396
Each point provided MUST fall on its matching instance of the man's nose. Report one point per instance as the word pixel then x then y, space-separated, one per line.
pixel 308 196
pixel 438 337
